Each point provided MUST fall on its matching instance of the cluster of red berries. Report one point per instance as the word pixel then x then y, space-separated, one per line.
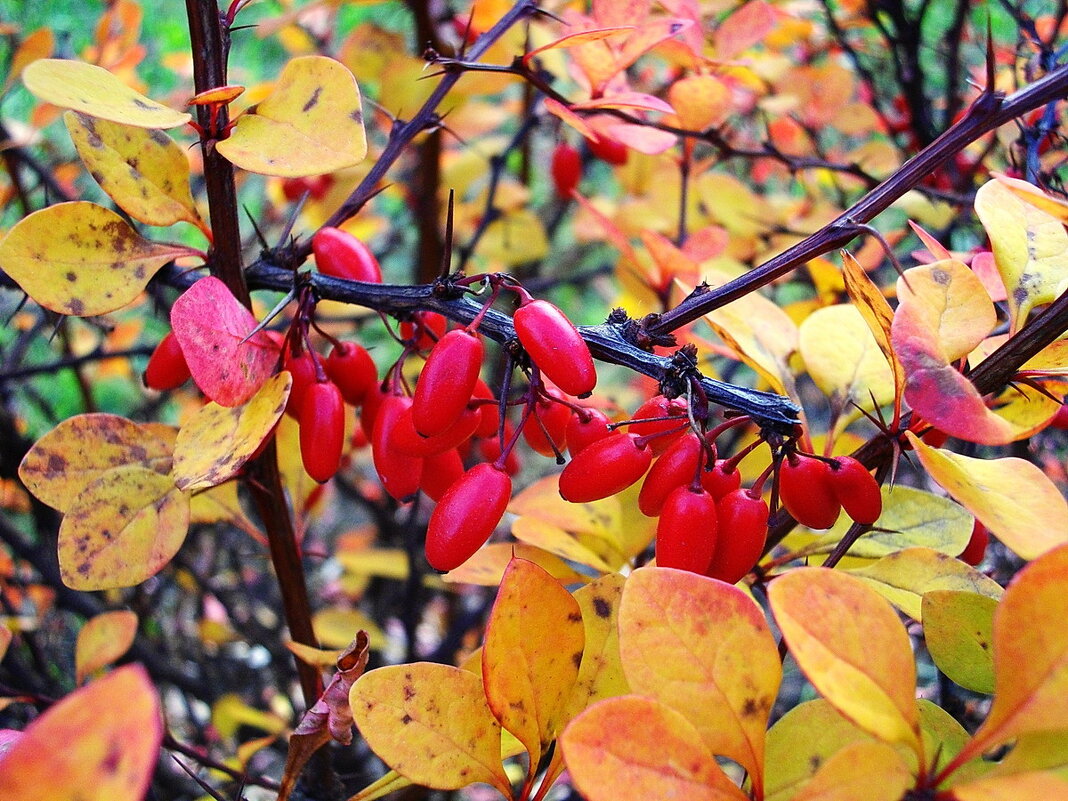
pixel 565 167
pixel 815 490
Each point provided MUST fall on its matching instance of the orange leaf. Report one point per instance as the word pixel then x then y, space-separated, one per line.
pixel 600 674
pixel 871 771
pixel 877 314
pixel 700 101
pixel 1039 784
pixel 746 26
pixel 703 648
pixel 633 748
pixel 102 640
pixel 580 38
pixel 100 743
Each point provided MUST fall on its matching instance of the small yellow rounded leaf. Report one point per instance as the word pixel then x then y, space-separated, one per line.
pixel 81 259
pixel 633 748
pixel 1012 497
pixel 100 743
pixel 851 645
pixel 843 357
pixel 958 628
pixel 142 170
pixel 95 91
pixel 124 528
pixel 218 440
pixel 863 771
pixel 102 640
pixel 703 648
pixel 310 124
pixel 431 724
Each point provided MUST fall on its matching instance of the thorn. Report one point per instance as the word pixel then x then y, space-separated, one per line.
pixel 293 217
pixel 290 295
pixel 259 234
pixel 989 89
pixel 446 252
pixel 207 788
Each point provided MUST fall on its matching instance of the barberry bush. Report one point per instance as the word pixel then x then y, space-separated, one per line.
pixel 611 399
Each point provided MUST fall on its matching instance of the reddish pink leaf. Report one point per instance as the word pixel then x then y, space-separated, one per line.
pixel 743 29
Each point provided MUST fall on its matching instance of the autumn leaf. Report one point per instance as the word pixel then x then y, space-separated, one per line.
pixel 103 639
pixel 39 44
pixel 600 673
pixel 311 123
pixel 486 567
pixel 100 743
pixel 1040 784
pixel 873 771
pixel 869 301
pixel 958 629
pixel 843 357
pixel 81 259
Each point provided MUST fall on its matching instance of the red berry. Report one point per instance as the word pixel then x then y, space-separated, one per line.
pixel 717 482
pixel 686 532
pixel 566 169
pixel 659 406
pixel 467 514
pixel 488 412
pixel 546 426
pixel 353 370
pixel 856 489
pixel 405 439
pixel 302 368
pixel 490 448
pixel 340 254
pixel 166 368
pixel 440 472
pixel 425 328
pixel 399 473
pixel 609 150
pixel 975 550
pixel 806 492
pixel 1060 419
pixel 447 381
pixel 555 346
pixel 581 433
pixel 322 430
pixel 371 403
pixel 743 530
pixel 675 468
pixel 604 468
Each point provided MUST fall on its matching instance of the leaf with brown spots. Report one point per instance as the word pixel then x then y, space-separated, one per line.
pixel 63 462
pixel 431 724
pixel 311 123
pixel 102 640
pixel 142 170
pixel 958 629
pixel 211 326
pixel 97 92
pixel 851 645
pixel 81 259
pixel 217 440
pixel 703 648
pixel 100 743
pixel 870 770
pixel 123 529
pixel 531 656
pixel 634 748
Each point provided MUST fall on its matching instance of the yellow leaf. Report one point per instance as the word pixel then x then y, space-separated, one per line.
pixel 1011 497
pixel 850 644
pixel 487 566
pixel 531 656
pixel 124 527
pixel 1030 247
pixel 336 626
pixel 1012 788
pixel 391 563
pixel 96 92
pixel 864 771
pixel 517 237
pixel 313 656
pixel 311 123
pixel 82 259
pixel 703 648
pixel 431 724
pixel 217 441
pixel 700 101
pixel 958 629
pixel 229 713
pixel 63 462
pixel 1041 750
pixel 100 743
pixel 634 748
pixel 389 783
pixel 904 577
pixel 142 170
pixel 871 304
pixel 600 674
pixel 102 640
pixel 843 357
pixel 221 503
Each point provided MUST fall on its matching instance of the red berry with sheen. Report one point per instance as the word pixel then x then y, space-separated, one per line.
pixel 975 550
pixel 167 368
pixel 410 442
pixel 322 430
pixel 555 346
pixel 425 328
pixel 805 487
pixel 398 473
pixel 466 516
pixel 440 472
pixel 686 532
pixel 547 426
pixel 302 368
pixel 609 150
pixel 659 406
pixel 566 169
pixel 340 254
pixel 353 370
pixel 856 489
pixel 581 433
pixel 675 468
pixel 604 468
pixel 447 381
pixel 718 482
pixel 743 530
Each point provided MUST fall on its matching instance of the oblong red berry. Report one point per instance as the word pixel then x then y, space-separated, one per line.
pixel 743 530
pixel 676 467
pixel 466 516
pixel 975 550
pixel 353 370
pixel 555 346
pixel 717 482
pixel 609 150
pixel 167 368
pixel 566 169
pixel 686 532
pixel 659 406
pixel 398 473
pixel 447 381
pixel 604 468
pixel 322 430
pixel 342 255
pixel 856 489
pixel 440 472
pixel 583 432
pixel 547 426
pixel 410 442
pixel 423 330
pixel 302 368
pixel 806 492
pixel 490 449
pixel 488 412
